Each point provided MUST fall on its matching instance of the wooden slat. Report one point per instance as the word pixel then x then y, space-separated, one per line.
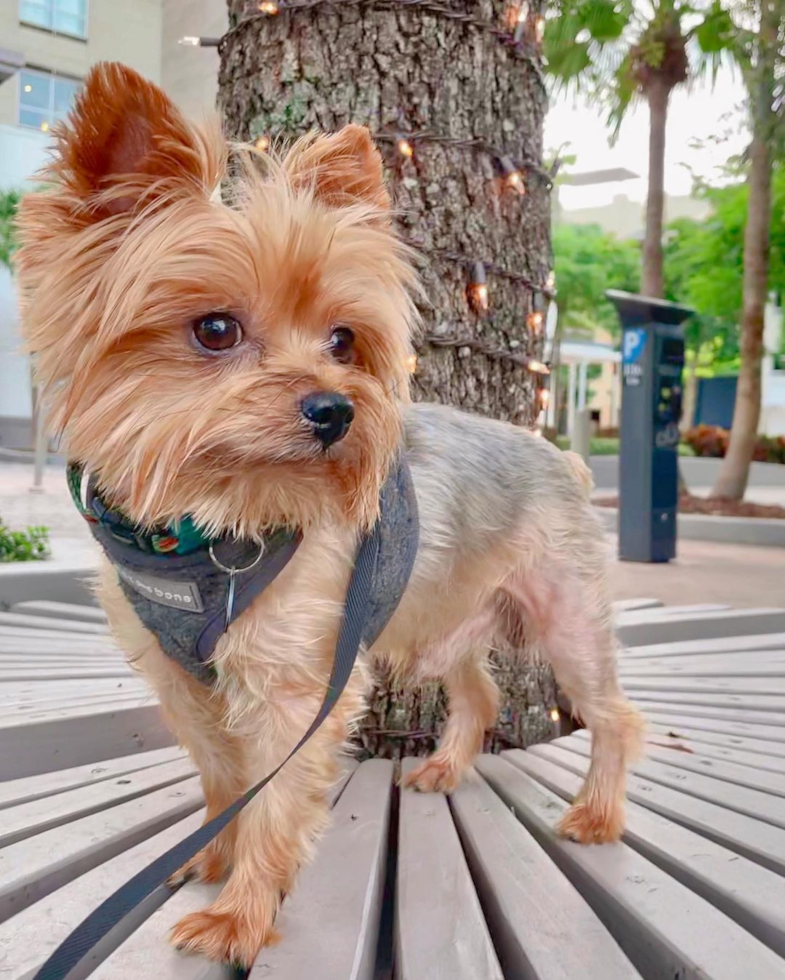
pixel 16 791
pixel 32 868
pixel 440 929
pixel 60 610
pixel 534 913
pixel 720 769
pixel 68 626
pixel 666 930
pixel 751 895
pixel 768 709
pixel 760 842
pixel 659 613
pixel 74 737
pixel 719 644
pixel 29 938
pixel 728 722
pixel 28 819
pixel 630 605
pixel 749 747
pixel 770 690
pixel 703 626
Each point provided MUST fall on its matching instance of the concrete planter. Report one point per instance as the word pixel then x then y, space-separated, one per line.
pixel 769 532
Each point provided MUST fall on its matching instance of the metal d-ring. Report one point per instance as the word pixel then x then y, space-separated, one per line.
pixel 232 573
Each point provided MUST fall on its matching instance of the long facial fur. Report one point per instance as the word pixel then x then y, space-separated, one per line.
pixel 129 245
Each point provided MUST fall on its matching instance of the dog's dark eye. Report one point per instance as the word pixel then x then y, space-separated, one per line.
pixel 342 345
pixel 217 332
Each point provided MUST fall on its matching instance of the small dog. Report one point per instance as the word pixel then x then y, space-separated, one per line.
pixel 179 335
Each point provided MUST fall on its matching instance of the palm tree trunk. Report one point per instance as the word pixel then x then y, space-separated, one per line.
pixel 658 96
pixel 734 472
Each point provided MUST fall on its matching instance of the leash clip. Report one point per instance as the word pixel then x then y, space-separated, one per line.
pixel 233 572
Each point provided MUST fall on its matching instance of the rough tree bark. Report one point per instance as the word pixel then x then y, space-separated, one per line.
pixel 658 95
pixel 407 69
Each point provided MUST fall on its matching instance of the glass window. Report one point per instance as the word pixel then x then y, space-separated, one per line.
pixel 44 98
pixel 60 16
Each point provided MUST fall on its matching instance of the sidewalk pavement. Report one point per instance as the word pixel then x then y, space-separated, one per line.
pixel 739 575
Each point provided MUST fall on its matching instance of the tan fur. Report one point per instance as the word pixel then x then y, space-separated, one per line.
pixel 131 245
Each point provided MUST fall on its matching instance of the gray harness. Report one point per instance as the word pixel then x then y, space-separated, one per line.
pixel 188 601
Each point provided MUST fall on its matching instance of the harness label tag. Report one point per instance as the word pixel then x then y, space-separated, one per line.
pixel 176 595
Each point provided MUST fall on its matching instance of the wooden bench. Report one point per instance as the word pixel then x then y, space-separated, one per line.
pixel 417 887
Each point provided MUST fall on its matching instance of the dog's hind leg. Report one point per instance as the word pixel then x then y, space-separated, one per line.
pixel 569 619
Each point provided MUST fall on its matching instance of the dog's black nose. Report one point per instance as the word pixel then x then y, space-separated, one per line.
pixel 329 413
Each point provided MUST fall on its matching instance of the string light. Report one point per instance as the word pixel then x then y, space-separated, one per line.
pixel 478 289
pixel 405 148
pixel 411 363
pixel 555 714
pixel 537 367
pixel 199 42
pixel 539 29
pixel 550 282
pixel 262 143
pixel 535 321
pixel 543 399
pixel 513 178
pixel 44 127
pixel 516 13
pixel 269 7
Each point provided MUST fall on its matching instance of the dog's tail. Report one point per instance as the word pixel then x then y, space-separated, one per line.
pixel 581 471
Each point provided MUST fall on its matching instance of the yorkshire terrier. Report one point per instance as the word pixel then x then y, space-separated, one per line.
pixel 183 319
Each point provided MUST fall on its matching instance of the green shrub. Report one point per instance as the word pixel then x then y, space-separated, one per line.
pixel 31 544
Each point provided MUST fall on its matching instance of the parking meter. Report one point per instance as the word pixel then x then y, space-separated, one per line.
pixel 652 358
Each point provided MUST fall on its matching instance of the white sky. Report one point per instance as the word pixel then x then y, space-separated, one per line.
pixel 698 113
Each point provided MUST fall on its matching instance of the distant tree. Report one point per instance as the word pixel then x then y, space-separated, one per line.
pixel 623 51
pixel 587 261
pixel 9 201
pixel 758 45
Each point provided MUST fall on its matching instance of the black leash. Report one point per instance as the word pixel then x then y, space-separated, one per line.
pixel 89 932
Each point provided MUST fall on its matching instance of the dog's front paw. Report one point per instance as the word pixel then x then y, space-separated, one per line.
pixel 435 775
pixel 592 824
pixel 225 936
pixel 208 865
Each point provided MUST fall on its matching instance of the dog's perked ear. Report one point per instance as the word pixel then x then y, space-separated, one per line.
pixel 344 168
pixel 126 145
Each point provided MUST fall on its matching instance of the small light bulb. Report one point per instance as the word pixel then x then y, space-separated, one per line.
pixel 515 14
pixel 543 398
pixel 44 127
pixel 535 321
pixel 189 42
pixel 411 363
pixel 478 289
pixel 555 714
pixel 537 367
pixel 405 148
pixel 513 178
pixel 550 282
pixel 539 29
pixel 269 7
pixel 262 143
pixel 28 88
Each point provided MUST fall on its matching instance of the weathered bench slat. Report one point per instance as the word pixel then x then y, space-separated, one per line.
pixel 711 664
pixel 665 929
pixel 16 791
pixel 767 708
pixel 722 769
pixel 440 929
pixel 760 842
pixel 691 648
pixel 74 737
pixel 29 938
pixel 146 951
pixel 30 646
pixel 66 626
pixel 630 605
pixel 751 802
pixel 32 868
pixel 110 669
pixel 60 610
pixel 657 613
pixel 703 626
pixel 730 715
pixel 724 722
pixel 31 818
pixel 51 640
pixel 534 913
pixel 757 747
pixel 748 893
pixel 770 691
